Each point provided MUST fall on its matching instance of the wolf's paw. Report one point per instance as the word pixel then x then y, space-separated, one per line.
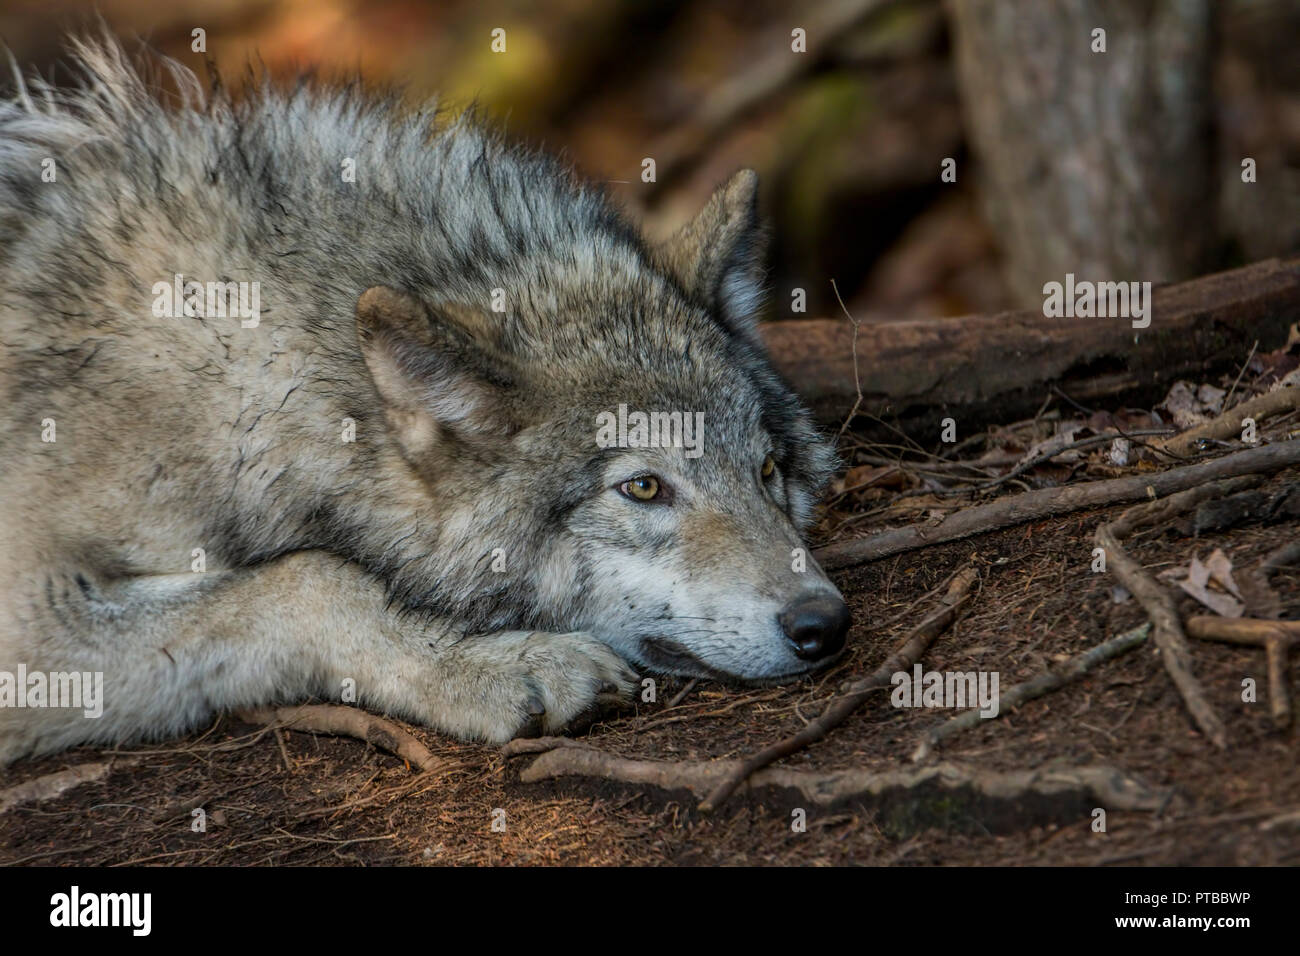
pixel 572 679
pixel 545 683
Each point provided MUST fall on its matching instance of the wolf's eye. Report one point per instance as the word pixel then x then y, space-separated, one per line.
pixel 769 466
pixel 644 488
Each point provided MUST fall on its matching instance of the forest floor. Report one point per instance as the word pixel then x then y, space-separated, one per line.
pixel 275 797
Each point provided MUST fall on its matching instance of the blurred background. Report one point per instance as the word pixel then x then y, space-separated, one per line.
pixel 1122 164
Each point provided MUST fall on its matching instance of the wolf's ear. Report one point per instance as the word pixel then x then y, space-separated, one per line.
pixel 435 380
pixel 718 255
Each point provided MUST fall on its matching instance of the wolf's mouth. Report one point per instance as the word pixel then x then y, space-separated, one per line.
pixel 671 657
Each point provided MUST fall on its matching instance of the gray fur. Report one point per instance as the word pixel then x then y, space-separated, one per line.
pixel 373 561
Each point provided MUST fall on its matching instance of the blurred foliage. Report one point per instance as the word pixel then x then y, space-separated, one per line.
pixel 848 137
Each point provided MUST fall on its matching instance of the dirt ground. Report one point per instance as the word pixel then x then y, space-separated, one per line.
pixel 292 798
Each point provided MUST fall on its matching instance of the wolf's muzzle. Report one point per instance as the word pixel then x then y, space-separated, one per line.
pixel 815 625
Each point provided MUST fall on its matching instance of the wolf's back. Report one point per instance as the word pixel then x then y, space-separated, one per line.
pixel 321 191
pixel 112 195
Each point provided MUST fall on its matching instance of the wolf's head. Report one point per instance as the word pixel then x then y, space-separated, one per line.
pixel 609 449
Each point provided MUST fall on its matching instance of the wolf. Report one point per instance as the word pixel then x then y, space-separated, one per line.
pixel 375 477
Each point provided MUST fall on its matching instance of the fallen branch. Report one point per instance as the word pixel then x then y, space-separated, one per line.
pixel 1242 630
pixel 1228 425
pixel 1276 637
pixel 996 367
pixel 944 795
pixel 52 785
pixel 838 710
pixel 1151 513
pixel 1048 502
pixel 1158 602
pixel 1281 820
pixel 540 745
pixel 1029 464
pixel 1044 683
pixel 337 720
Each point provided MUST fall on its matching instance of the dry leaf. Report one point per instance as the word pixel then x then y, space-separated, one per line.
pixel 1211 584
pixel 1182 405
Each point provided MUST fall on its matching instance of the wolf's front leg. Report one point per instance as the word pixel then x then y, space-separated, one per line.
pixel 488 687
pixel 175 650
pixel 493 687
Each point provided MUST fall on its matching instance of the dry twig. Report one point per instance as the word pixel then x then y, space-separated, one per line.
pixel 1044 683
pixel 540 745
pixel 940 795
pixel 838 710
pixel 1276 637
pixel 1158 602
pixel 1228 425
pixel 349 722
pixel 681 694
pixel 51 785
pixel 1048 502
pixel 1030 464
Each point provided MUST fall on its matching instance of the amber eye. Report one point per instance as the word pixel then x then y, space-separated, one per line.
pixel 769 466
pixel 645 488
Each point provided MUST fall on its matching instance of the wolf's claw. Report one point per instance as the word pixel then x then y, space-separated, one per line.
pixel 564 682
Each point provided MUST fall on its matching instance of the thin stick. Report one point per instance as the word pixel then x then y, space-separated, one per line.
pixel 1276 637
pixel 1275 654
pixel 1228 424
pixel 1159 603
pixel 940 792
pixel 857 381
pixel 1044 683
pixel 1237 381
pixel 1047 456
pixel 539 745
pixel 284 749
pixel 681 694
pixel 1241 630
pixel 838 710
pixel 349 722
pixel 1048 502
pixel 52 785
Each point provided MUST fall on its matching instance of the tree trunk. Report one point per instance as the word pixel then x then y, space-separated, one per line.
pixel 1095 163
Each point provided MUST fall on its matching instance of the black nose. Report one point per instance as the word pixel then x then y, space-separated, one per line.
pixel 816 625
